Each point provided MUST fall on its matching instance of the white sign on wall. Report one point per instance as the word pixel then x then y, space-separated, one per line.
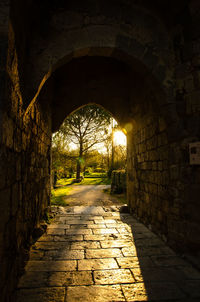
pixel 194 149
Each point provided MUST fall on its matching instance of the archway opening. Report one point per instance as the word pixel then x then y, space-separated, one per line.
pixel 138 103
pixel 89 149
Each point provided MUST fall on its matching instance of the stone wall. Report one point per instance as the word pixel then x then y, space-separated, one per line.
pixel 24 175
pixel 148 179
pixel 163 187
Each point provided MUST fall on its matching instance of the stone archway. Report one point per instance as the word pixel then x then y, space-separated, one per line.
pixel 136 99
pixel 157 47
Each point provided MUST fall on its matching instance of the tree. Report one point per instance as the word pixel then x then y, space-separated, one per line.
pixel 63 159
pixel 85 128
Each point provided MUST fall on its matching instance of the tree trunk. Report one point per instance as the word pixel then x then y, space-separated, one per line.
pixel 78 167
pixel 78 170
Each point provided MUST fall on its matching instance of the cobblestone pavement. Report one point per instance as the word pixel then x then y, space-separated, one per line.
pixel 99 254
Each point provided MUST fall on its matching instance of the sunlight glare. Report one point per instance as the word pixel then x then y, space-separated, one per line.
pixel 119 138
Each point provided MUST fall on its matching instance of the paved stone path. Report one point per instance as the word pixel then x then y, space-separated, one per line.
pixel 99 254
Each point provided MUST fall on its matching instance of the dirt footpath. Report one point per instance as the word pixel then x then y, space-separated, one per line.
pixel 91 195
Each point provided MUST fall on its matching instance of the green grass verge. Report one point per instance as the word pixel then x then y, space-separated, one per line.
pixel 57 195
pixel 95 175
pixel 94 181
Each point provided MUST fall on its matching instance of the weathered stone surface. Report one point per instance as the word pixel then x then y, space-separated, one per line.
pixel 51 266
pixel 56 231
pixel 123 230
pixel 94 264
pixel 68 238
pixel 78 221
pixel 103 253
pixel 105 231
pixel 96 293
pixel 168 261
pixel 106 220
pixel 58 226
pixel 144 274
pixel 116 243
pixel 85 245
pixel 70 278
pixel 33 279
pixel 152 291
pixel 108 237
pixel 131 262
pixel 98 226
pixel 78 226
pixel 50 245
pixel 64 254
pixel 78 232
pixel 129 251
pixel 36 254
pixel 44 294
pixel 113 276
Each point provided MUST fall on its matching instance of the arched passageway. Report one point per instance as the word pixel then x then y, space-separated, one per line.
pixel 142 66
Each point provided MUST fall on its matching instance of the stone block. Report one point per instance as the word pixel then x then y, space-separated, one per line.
pixel 103 253
pixel 113 276
pixel 70 278
pixel 98 293
pixel 135 262
pixel 51 266
pixel 33 280
pixel 64 254
pixel 46 294
pixel 96 264
pixel 154 291
pixel 104 231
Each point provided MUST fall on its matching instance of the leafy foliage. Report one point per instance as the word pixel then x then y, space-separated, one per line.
pixel 85 128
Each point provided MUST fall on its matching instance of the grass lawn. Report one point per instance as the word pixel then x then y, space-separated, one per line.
pixel 94 181
pixel 65 185
pixel 96 175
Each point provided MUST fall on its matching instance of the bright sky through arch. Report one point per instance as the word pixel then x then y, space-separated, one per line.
pixel 119 138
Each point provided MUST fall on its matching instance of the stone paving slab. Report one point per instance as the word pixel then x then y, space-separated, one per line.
pixel 45 294
pixel 116 243
pixel 70 278
pixel 97 293
pixel 48 238
pixel 34 279
pixel 101 255
pixel 94 264
pixel 85 245
pixel 134 262
pixel 78 221
pixel 100 237
pixel 65 238
pixel 104 231
pixel 157 291
pixel 116 276
pixel 98 226
pixel 105 221
pixel 64 254
pixel 49 245
pixel 51 266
